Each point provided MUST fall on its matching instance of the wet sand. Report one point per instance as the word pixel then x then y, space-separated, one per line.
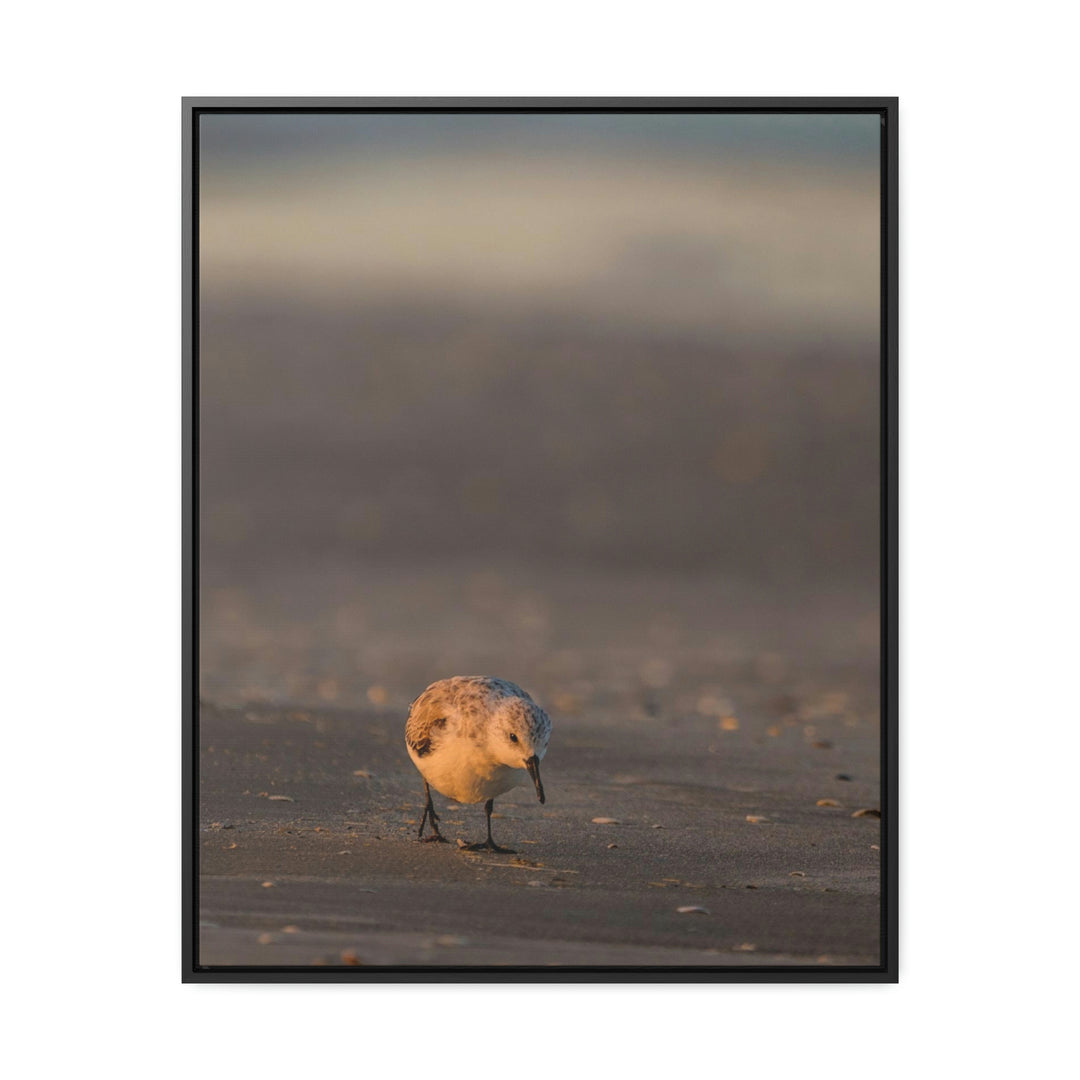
pixel 308 854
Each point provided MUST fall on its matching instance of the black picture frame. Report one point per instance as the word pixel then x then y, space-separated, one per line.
pixel 887 971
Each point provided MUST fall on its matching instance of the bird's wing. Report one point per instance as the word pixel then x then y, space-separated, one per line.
pixel 427 718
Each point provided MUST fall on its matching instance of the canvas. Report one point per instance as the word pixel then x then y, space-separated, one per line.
pixel 540 539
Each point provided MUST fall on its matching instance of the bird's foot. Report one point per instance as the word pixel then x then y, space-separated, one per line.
pixel 489 845
pixel 430 815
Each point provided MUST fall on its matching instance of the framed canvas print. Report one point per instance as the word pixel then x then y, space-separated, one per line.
pixel 540 539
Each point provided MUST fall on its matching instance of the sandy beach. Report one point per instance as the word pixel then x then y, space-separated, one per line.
pixel 590 405
pixel 730 776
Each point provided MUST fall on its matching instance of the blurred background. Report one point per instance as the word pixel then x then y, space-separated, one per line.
pixel 586 401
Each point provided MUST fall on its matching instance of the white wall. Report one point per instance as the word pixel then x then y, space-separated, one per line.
pixel 90 446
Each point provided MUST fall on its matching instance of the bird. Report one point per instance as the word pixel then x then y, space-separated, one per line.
pixel 473 737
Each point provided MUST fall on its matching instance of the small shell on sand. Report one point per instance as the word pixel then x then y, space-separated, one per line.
pixel 693 909
pixel 826 802
pixel 867 813
pixel 605 821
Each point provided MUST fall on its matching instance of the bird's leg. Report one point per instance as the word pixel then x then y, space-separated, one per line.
pixel 489 844
pixel 430 815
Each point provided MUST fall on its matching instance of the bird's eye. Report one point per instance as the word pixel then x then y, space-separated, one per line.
pixel 513 738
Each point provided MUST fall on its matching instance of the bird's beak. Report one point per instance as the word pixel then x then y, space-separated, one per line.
pixel 533 765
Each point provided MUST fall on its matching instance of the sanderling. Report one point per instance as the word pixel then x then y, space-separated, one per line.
pixel 472 738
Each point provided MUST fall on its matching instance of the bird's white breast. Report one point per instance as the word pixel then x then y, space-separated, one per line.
pixel 462 770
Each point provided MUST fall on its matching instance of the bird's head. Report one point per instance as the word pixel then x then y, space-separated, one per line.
pixel 519 739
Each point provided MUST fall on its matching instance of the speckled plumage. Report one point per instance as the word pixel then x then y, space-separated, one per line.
pixel 473 737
